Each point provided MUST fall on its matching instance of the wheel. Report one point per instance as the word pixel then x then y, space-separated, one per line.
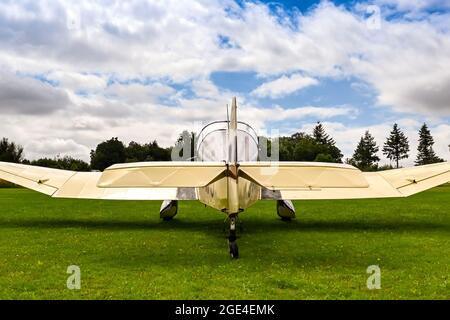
pixel 234 250
pixel 168 210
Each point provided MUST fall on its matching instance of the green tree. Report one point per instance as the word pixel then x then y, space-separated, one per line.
pixel 425 152
pixel 10 152
pixel 157 153
pixel 64 163
pixel 396 146
pixel 108 153
pixel 321 136
pixel 136 152
pixel 146 152
pixel 304 147
pixel 286 148
pixel 324 157
pixel 365 156
pixel 326 146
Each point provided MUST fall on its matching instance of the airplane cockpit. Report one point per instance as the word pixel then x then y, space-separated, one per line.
pixel 212 144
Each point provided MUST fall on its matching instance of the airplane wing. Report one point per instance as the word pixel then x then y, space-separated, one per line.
pixel 162 174
pixel 179 180
pixel 133 181
pixel 309 180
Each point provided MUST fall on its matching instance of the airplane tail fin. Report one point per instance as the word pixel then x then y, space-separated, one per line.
pixel 232 134
pixel 233 120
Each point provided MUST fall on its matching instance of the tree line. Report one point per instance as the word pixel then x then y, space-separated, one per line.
pixel 105 154
pixel 395 148
pixel 317 146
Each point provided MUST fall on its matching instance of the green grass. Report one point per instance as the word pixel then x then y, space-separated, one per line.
pixel 125 251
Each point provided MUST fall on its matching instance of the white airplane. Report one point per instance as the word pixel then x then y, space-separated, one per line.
pixel 227 177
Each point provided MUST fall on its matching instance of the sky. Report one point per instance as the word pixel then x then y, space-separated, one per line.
pixel 73 74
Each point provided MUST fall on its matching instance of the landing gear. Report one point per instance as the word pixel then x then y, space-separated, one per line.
pixel 285 210
pixel 169 209
pixel 234 250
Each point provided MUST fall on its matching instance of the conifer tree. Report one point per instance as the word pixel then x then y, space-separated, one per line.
pixel 396 146
pixel 365 156
pixel 321 136
pixel 425 152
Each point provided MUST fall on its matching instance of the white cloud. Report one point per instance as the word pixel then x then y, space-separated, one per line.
pixel 405 61
pixel 78 81
pixel 175 44
pixel 138 93
pixel 22 95
pixel 206 89
pixel 261 116
pixel 50 147
pixel 284 85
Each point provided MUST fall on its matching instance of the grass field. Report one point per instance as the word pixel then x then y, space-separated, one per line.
pixel 125 251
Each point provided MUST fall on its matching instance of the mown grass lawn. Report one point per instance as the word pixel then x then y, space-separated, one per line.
pixel 126 252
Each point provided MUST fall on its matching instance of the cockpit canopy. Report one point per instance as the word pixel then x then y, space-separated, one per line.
pixel 212 144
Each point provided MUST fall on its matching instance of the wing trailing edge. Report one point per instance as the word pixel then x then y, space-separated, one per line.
pixel 382 184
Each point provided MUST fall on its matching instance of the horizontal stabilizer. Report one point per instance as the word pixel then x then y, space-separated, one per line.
pixel 162 174
pixel 309 175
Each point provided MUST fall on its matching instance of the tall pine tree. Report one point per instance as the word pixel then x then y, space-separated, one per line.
pixel 396 146
pixel 425 152
pixel 365 156
pixel 325 146
pixel 321 136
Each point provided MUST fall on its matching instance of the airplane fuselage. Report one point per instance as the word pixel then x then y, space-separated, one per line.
pixel 230 142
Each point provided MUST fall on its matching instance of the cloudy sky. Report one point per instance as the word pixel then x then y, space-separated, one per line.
pixel 74 73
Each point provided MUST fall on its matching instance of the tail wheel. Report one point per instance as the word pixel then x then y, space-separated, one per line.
pixel 234 250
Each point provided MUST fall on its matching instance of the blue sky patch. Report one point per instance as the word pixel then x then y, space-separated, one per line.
pixel 241 82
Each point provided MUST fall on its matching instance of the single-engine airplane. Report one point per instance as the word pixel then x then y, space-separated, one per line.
pixel 227 176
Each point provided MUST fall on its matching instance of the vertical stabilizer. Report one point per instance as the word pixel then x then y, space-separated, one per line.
pixel 233 120
pixel 232 134
pixel 232 183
